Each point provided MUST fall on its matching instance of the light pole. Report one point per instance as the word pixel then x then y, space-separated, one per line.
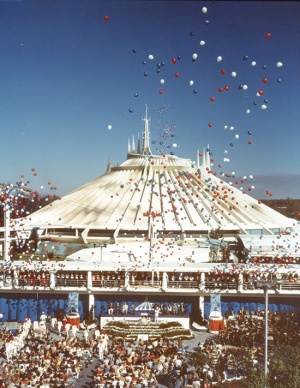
pixel 266 285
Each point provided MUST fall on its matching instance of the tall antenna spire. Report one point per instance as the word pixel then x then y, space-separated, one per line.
pixel 146 141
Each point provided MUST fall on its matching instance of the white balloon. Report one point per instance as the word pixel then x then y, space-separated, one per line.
pixel 219 59
pixel 162 81
pixel 233 74
pixel 245 87
pixel 225 152
pixel 42 187
pixel 204 10
pixel 253 63
pixel 248 111
pixel 237 136
pixel 225 127
pixel 174 145
pixel 264 106
pixel 194 56
pixel 191 82
pixel 202 42
pixel 150 57
pixel 250 176
pixel 244 177
pixel 109 127
pixel 279 64
pixel 231 128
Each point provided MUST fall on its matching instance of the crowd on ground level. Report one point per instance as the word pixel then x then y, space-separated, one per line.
pixel 247 329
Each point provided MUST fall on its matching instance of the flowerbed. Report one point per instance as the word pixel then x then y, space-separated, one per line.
pixel 155 330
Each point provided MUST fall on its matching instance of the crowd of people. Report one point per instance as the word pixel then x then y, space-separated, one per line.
pixel 247 329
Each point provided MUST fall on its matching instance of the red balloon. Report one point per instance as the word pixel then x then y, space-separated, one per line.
pixel 226 88
pixel 249 142
pixel 210 124
pixel 212 99
pixel 268 35
pixel 161 92
pixel 105 18
pixel 260 92
pixel 174 60
pixel 176 75
pixel 265 80
pixel 220 90
pixel 223 71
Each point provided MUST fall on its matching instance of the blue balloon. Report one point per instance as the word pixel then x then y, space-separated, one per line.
pixel 179 57
pixel 172 153
pixel 134 51
pixel 144 62
pixel 158 65
pixel 266 101
pixel 145 74
pixel 231 144
pixel 192 33
pixel 162 63
pixel 245 57
pixel 249 133
pixel 135 94
pixel 195 91
pixel 264 66
pixel 157 70
pixel 206 22
pixel 254 103
pixel 279 80
pixel 130 110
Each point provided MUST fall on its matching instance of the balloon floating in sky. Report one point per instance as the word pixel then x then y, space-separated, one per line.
pixel 161 91
pixel 279 64
pixel 174 60
pixel 206 22
pixel 264 106
pixel 253 63
pixel 245 57
pixel 130 110
pixel 135 94
pixel 279 80
pixel 247 111
pixel 106 18
pixel 191 82
pixel 162 81
pixel 195 91
pixel 150 57
pixel 219 58
pixel 233 74
pixel 202 42
pixel 109 127
pixel 194 56
pixel 204 10
pixel 268 35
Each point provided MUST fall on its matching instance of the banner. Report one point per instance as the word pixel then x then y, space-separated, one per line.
pixel 215 303
pixel 73 302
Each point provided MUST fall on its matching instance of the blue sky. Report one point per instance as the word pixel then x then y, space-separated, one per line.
pixel 66 74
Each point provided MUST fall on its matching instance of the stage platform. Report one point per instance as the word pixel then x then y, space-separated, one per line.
pixel 184 320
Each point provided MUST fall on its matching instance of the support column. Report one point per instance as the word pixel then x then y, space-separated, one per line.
pixel 52 280
pixel 89 280
pixel 92 303
pixel 240 282
pixel 164 284
pixel 201 305
pixel 202 281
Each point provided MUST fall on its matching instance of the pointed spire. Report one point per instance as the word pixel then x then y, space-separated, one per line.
pixel 138 151
pixel 128 147
pixel 108 169
pixel 146 141
pixel 133 145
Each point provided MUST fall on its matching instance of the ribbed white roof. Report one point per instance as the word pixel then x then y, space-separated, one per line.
pixel 149 193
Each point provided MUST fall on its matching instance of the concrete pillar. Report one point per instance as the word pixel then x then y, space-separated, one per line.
pixel 201 305
pixel 240 282
pixel 92 303
pixel 164 284
pixel 89 280
pixel 202 281
pixel 52 280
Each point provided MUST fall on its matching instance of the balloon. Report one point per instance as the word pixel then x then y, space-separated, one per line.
pixel 265 80
pixel 264 66
pixel 231 144
pixel 134 51
pixel 210 125
pixel 264 106
pixel 223 71
pixel 144 62
pixel 248 111
pixel 260 92
pixel 202 42
pixel 250 142
pixel 237 136
pixel 174 145
pixel 212 99
pixel 219 58
pixel 130 110
pixel 233 74
pixel 179 57
pixel 105 18
pixel 250 176
pixel 245 57
pixel 206 22
pixel 195 91
pixel 226 88
pixel 145 74
pixel 204 10
pixel 135 94
pixel 268 35
pixel 176 75
pixel 161 92
pixel 109 127
pixel 253 63
pixel 225 152
pixel 231 128
pixel 266 101
pixel 174 60
pixel 191 82
pixel 249 133
pixel 279 64
pixel 245 87
pixel 279 80
pixel 194 56
pixel 192 33
pixel 150 57
pixel 162 81
pixel 220 90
